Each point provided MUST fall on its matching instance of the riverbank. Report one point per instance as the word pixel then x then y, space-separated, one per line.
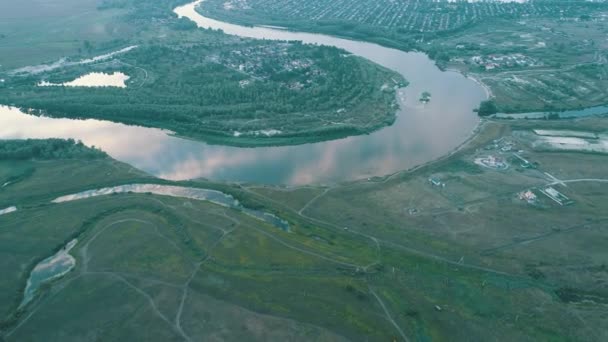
pixel 538 77
pixel 257 94
pixel 408 141
pixel 476 79
pixel 442 217
pixel 349 241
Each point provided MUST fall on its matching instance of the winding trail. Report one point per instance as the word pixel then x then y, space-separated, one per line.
pixel 285 244
pixel 186 286
pixel 175 324
pixel 378 242
pixel 539 237
pixel 313 200
pixel 388 315
pixel 152 305
pixel 85 249
pixel 137 67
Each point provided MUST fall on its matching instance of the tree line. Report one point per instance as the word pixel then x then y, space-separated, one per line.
pixel 47 149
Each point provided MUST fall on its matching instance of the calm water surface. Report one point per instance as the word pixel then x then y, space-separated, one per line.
pixel 50 268
pixel 93 79
pixel 422 132
pixel 212 196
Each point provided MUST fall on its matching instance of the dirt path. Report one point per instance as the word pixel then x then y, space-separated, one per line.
pixel 175 325
pixel 186 286
pixel 388 315
pixel 540 237
pixel 152 305
pixel 285 244
pixel 377 241
pixel 313 200
pixel 85 249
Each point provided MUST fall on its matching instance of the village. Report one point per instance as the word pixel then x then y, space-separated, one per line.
pixel 516 60
pixel 405 15
pixel 282 62
pixel 511 156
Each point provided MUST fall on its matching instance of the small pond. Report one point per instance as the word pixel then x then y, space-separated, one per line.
pixel 48 269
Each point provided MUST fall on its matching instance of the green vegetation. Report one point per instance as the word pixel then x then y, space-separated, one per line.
pixel 47 149
pixel 487 108
pixel 533 56
pixel 209 86
pixel 383 259
pixel 534 64
pixel 472 261
pixel 425 97
pixel 226 90
pixel 33 32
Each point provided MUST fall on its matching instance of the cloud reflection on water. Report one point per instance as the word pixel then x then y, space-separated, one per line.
pixel 420 134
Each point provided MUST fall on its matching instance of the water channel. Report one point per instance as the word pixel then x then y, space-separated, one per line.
pixel 421 133
pixel 212 196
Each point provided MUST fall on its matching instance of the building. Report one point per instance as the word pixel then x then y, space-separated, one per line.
pixel 528 196
pixel 556 196
pixel 436 182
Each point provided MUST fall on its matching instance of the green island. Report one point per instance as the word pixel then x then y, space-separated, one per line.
pixel 170 268
pixel 209 86
pixel 425 97
pixel 534 56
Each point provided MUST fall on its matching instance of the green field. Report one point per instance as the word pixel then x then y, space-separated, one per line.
pixel 37 31
pixel 471 261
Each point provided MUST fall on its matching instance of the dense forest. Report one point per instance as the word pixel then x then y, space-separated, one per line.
pixel 221 88
pixel 46 149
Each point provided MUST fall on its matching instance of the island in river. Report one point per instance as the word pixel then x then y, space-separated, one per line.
pixel 221 89
pixel 409 142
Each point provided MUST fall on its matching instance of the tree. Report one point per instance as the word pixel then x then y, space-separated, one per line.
pixel 486 108
pixel 87 45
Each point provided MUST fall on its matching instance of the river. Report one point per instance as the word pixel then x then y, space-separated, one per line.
pixel 421 133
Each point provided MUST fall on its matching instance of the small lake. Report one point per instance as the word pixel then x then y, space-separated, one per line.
pixel 48 269
pixel 94 79
pixel 8 210
pixel 421 133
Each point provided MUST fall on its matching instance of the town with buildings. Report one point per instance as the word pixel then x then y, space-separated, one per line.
pixel 516 60
pixel 282 62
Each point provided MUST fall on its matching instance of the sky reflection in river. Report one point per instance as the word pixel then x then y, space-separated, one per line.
pixel 422 132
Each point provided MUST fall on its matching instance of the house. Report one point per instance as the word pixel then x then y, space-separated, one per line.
pixel 528 196
pixel 436 182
